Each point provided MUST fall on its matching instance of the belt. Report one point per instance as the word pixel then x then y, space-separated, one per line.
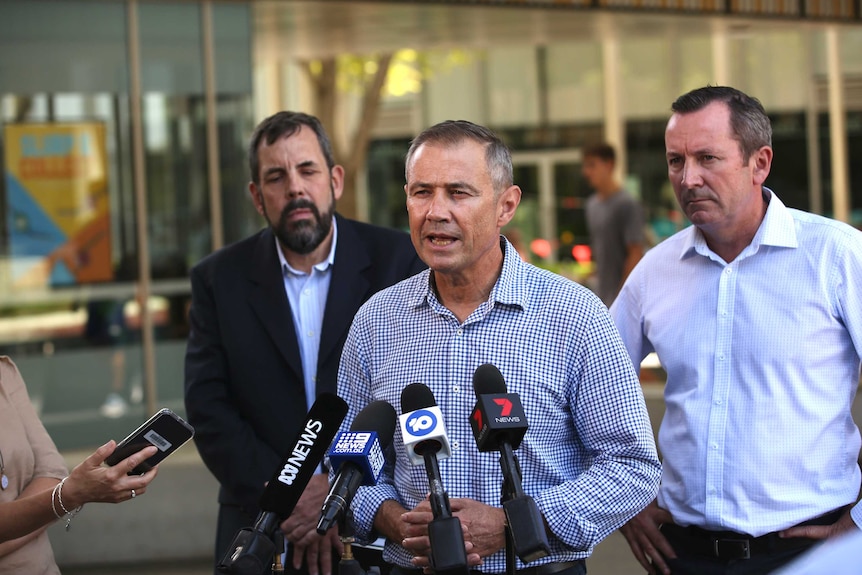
pixel 543 569
pixel 728 545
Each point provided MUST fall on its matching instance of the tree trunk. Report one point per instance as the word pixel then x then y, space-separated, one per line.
pixel 325 106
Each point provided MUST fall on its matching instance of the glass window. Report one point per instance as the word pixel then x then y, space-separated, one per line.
pixel 70 314
pixel 574 77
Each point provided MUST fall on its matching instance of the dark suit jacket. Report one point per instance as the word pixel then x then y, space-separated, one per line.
pixel 244 390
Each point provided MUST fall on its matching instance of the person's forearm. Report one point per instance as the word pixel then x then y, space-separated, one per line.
pixel 29 513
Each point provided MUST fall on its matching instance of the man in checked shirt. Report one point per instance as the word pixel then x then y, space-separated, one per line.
pixel 588 458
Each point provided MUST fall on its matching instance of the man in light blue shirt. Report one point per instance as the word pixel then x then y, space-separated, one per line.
pixel 755 312
pixel 588 457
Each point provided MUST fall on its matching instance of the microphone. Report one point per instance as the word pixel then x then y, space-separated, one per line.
pixel 252 549
pixel 425 440
pixel 357 455
pixel 499 424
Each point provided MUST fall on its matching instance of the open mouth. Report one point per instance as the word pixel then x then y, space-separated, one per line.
pixel 440 241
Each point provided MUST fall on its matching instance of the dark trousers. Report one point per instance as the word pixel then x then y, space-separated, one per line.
pixel 690 564
pixel 574 568
pixel 702 552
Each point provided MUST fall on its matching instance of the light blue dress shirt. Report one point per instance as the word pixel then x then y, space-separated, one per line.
pixel 762 357
pixel 307 294
pixel 588 458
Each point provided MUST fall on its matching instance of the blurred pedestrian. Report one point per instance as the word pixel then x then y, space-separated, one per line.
pixel 615 222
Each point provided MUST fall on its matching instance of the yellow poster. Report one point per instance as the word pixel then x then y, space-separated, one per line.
pixel 58 208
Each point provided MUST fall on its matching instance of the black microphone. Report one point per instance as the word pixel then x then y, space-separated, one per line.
pixel 499 424
pixel 425 439
pixel 357 455
pixel 252 549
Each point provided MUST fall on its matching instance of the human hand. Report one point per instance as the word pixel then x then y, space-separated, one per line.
pixel 90 481
pixel 484 526
pixel 647 543
pixel 415 529
pixel 301 529
pixel 317 553
pixel 844 524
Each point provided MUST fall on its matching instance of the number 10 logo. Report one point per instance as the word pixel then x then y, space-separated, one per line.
pixel 422 422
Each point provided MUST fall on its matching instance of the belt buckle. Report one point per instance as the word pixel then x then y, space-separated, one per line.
pixel 732 548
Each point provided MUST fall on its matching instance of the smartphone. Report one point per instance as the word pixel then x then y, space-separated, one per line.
pixel 165 429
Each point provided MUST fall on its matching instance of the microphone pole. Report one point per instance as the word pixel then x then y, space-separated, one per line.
pixel 277 564
pixel 425 440
pixel 349 565
pixel 503 433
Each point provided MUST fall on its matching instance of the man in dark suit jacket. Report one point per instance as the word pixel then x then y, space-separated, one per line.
pixel 249 379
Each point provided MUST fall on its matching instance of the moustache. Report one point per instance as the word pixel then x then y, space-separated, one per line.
pixel 300 204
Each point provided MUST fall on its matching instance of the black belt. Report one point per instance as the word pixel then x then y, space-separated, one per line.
pixel 543 569
pixel 729 545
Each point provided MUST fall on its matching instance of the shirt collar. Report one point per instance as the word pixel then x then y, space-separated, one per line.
pixel 322 266
pixel 507 290
pixel 776 229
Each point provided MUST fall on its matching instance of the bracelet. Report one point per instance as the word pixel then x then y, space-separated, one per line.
pixel 70 514
pixel 54 495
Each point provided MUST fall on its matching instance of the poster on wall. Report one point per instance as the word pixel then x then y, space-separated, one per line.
pixel 58 213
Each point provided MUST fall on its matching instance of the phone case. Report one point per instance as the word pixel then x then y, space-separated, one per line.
pixel 165 429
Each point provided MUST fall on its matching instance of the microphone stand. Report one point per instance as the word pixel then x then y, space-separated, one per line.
pixel 508 493
pixel 277 564
pixel 524 525
pixel 348 564
pixel 448 555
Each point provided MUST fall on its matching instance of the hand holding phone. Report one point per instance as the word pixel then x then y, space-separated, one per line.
pixel 165 429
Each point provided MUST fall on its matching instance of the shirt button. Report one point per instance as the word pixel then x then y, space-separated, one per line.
pixel 310 334
pixel 728 270
pixel 460 331
pixel 714 446
pixel 718 402
pixel 456 389
pixel 455 444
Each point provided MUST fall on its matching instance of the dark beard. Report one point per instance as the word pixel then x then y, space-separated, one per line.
pixel 304 236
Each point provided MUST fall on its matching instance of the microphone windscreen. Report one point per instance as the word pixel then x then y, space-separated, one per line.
pixel 282 492
pixel 377 416
pixel 416 396
pixel 487 379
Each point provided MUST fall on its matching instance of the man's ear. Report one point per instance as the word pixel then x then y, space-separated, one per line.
pixel 256 197
pixel 761 164
pixel 337 175
pixel 507 204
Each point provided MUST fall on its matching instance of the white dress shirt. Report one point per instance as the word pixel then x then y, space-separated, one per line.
pixel 763 360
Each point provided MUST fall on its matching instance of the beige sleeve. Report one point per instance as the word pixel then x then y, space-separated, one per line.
pixel 48 461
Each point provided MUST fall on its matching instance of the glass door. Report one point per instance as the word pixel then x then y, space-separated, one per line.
pixel 550 220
